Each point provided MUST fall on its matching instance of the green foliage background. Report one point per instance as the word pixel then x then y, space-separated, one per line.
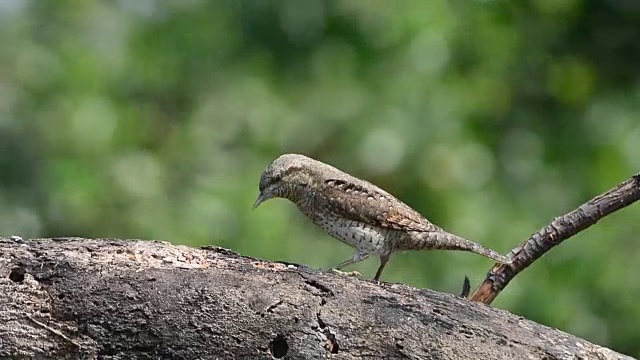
pixel 154 119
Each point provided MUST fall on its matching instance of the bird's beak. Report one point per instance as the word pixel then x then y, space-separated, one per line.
pixel 261 198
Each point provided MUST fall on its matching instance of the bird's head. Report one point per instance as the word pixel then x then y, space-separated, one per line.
pixel 286 177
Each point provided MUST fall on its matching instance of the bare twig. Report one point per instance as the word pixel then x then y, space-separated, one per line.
pixel 52 330
pixel 560 229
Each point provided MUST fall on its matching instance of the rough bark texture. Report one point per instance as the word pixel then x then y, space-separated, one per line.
pixel 115 299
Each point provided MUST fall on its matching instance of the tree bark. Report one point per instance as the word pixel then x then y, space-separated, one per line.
pixel 129 299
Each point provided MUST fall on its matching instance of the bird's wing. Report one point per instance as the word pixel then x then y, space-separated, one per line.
pixel 367 203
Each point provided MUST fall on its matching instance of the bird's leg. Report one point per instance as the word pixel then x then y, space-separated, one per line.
pixel 356 258
pixel 383 262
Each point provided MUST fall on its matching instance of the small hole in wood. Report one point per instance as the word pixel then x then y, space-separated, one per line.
pixel 17 274
pixel 278 347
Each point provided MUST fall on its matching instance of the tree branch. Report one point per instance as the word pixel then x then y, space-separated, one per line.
pixel 560 229
pixel 115 299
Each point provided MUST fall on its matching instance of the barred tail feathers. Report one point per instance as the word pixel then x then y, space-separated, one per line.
pixel 447 241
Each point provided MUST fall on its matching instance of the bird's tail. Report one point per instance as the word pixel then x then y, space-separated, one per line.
pixel 447 241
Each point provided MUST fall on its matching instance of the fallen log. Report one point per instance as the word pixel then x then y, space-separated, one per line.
pixel 130 299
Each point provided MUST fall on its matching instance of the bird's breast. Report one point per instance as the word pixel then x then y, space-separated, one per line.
pixel 362 236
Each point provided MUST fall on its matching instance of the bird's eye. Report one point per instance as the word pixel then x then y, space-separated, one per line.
pixel 266 181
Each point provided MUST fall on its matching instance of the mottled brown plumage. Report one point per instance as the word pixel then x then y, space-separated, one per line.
pixel 357 212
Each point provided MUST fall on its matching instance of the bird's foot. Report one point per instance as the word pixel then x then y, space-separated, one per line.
pixel 347 273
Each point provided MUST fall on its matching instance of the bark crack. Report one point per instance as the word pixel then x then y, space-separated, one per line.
pixel 323 329
pixel 330 338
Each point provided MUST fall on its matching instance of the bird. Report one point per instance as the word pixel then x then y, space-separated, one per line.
pixel 356 212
